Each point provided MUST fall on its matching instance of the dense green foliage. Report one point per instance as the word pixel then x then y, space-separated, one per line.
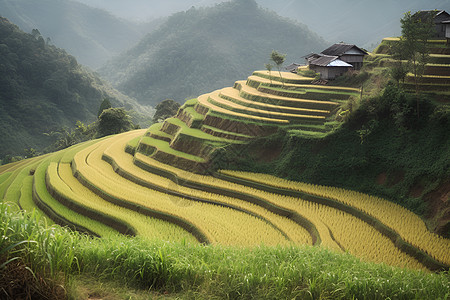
pixel 200 50
pixel 386 148
pixel 92 35
pixel 104 105
pixel 412 46
pixel 113 121
pixel 43 89
pixel 54 256
pixel 166 109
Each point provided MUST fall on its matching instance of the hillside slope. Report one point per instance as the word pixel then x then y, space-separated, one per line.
pixel 200 50
pixel 42 88
pixel 146 182
pixel 91 35
pixel 393 143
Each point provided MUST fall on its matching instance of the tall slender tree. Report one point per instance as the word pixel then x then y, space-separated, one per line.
pixel 269 68
pixel 417 29
pixel 278 59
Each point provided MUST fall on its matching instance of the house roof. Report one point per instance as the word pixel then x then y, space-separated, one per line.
pixel 442 14
pixel 292 67
pixel 308 56
pixel 342 48
pixel 329 61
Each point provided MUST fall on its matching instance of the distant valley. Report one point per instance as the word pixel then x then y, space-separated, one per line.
pixel 203 49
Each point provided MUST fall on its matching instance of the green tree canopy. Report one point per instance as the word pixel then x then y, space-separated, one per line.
pixel 113 121
pixel 104 105
pixel 417 29
pixel 278 59
pixel 166 109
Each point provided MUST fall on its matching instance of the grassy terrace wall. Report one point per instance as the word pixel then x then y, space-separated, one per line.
pixel 155 131
pixel 163 152
pixel 308 94
pixel 239 126
pixel 190 116
pixel 225 134
pixel 244 117
pixel 232 104
pixel 234 95
pixel 256 95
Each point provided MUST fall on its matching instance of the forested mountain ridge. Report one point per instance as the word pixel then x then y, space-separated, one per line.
pixel 42 89
pixel 203 49
pixel 91 35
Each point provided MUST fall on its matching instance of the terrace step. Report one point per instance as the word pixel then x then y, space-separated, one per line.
pixel 215 99
pixel 430 79
pixel 190 116
pixel 198 182
pixel 152 179
pixel 59 213
pixel 252 94
pixel 287 77
pixel 256 81
pixel 356 206
pixel 233 94
pixel 225 134
pixel 203 101
pixel 155 132
pixel 310 93
pixel 161 151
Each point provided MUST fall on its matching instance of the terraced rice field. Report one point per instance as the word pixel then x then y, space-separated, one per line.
pixel 159 184
pixel 436 78
pixel 99 188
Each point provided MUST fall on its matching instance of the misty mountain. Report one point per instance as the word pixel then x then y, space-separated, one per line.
pixel 42 89
pixel 363 22
pixel 203 49
pixel 90 34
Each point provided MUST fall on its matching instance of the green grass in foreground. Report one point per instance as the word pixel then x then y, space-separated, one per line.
pixel 204 272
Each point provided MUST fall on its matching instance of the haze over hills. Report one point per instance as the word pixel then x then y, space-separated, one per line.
pixel 203 49
pixel 42 89
pixel 92 35
pixel 363 22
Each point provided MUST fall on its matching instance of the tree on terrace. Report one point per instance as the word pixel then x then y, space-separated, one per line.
pixel 417 29
pixel 278 59
pixel 269 68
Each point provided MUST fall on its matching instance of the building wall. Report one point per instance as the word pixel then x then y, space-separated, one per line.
pixel 441 28
pixel 329 73
pixel 447 31
pixel 355 60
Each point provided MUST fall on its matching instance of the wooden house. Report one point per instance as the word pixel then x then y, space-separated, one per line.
pixel 348 53
pixel 328 66
pixel 336 60
pixel 440 19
